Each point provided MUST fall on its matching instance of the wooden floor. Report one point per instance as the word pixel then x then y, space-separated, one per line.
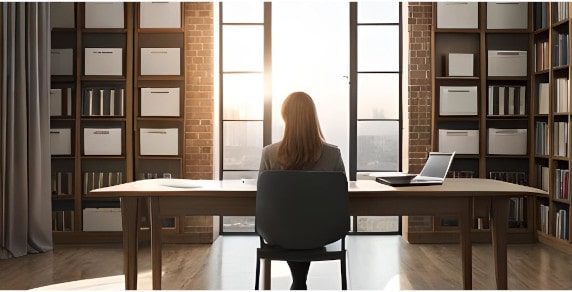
pixel 375 262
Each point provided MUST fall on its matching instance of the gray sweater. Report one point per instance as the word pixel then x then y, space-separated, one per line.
pixel 330 160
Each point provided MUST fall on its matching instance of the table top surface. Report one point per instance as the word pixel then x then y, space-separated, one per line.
pixel 453 187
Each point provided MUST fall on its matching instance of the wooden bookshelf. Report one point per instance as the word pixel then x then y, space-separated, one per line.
pixel 96 100
pixel 483 42
pixel 551 92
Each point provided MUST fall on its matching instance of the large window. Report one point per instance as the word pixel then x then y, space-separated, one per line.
pixel 346 55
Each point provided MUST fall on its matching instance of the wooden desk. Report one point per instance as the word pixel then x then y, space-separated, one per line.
pixel 366 198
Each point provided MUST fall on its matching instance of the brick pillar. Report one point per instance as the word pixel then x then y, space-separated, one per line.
pixel 199 110
pixel 419 28
pixel 199 90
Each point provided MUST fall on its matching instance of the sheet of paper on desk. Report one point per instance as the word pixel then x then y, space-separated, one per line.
pixel 175 183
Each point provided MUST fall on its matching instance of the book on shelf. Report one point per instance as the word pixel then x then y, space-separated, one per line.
pixel 560 133
pixel 543 98
pixel 543 176
pixel 561 103
pixel 562 11
pixel 561 230
pixel 542 61
pixel 517 209
pixel 541 15
pixel 541 138
pixel 561 178
pixel 544 209
pixel 561 49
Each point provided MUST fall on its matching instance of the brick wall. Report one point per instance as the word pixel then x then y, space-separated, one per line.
pixel 199 90
pixel 419 28
pixel 199 112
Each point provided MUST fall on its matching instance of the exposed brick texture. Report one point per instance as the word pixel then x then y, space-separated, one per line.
pixel 419 28
pixel 199 90
pixel 419 110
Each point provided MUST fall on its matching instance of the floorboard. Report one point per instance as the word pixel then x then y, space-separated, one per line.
pixel 375 263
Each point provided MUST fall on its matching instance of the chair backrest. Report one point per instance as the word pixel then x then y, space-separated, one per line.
pixel 302 209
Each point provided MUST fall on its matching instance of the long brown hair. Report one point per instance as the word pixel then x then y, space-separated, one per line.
pixel 303 139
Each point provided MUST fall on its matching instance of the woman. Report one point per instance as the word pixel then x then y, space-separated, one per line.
pixel 303 147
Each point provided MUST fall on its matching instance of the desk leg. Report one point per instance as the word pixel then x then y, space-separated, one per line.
pixel 499 228
pixel 156 257
pixel 130 218
pixel 466 246
pixel 266 272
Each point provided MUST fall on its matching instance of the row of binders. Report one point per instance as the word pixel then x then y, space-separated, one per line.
pixel 62 221
pixel 61 102
pixel 97 180
pixel 541 13
pixel 515 177
pixel 103 102
pixel 561 184
pixel 560 138
pixel 507 100
pixel 561 222
pixel 62 183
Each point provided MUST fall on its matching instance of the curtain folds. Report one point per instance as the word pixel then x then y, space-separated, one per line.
pixel 26 199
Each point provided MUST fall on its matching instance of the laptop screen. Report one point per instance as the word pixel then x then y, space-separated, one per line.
pixel 437 165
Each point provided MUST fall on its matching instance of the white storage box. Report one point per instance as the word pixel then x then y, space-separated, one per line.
pixel 61 62
pixel 62 14
pixel 104 61
pixel 160 61
pixel 159 141
pixel 507 63
pixel 460 141
pixel 507 15
pixel 106 141
pixel 160 15
pixel 457 15
pixel 102 219
pixel 507 141
pixel 60 141
pixel 160 102
pixel 104 15
pixel 458 101
pixel 460 64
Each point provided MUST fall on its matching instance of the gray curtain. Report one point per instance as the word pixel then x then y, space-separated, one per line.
pixel 25 214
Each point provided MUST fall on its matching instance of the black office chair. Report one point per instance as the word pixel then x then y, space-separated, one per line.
pixel 302 216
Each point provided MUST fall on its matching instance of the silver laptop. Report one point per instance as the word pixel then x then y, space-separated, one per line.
pixel 433 173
